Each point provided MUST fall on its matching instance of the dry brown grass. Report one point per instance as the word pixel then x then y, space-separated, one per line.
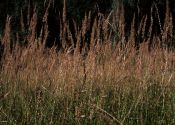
pixel 118 67
pixel 103 62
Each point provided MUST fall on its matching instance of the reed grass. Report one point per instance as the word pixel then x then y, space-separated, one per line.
pixel 111 83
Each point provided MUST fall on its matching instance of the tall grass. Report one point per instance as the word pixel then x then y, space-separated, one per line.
pixel 111 83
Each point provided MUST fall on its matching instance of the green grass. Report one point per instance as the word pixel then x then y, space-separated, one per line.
pixel 98 104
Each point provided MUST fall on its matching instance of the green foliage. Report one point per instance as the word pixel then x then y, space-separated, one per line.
pixel 102 105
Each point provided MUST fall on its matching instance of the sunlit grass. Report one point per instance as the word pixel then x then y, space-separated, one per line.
pixel 111 83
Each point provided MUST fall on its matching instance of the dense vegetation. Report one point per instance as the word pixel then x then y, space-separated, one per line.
pixel 107 81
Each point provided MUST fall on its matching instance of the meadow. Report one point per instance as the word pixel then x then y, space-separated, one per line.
pixel 112 83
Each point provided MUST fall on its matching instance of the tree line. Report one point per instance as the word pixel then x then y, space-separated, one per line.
pixel 76 10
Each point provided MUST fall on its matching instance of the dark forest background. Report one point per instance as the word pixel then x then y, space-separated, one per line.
pixel 76 10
